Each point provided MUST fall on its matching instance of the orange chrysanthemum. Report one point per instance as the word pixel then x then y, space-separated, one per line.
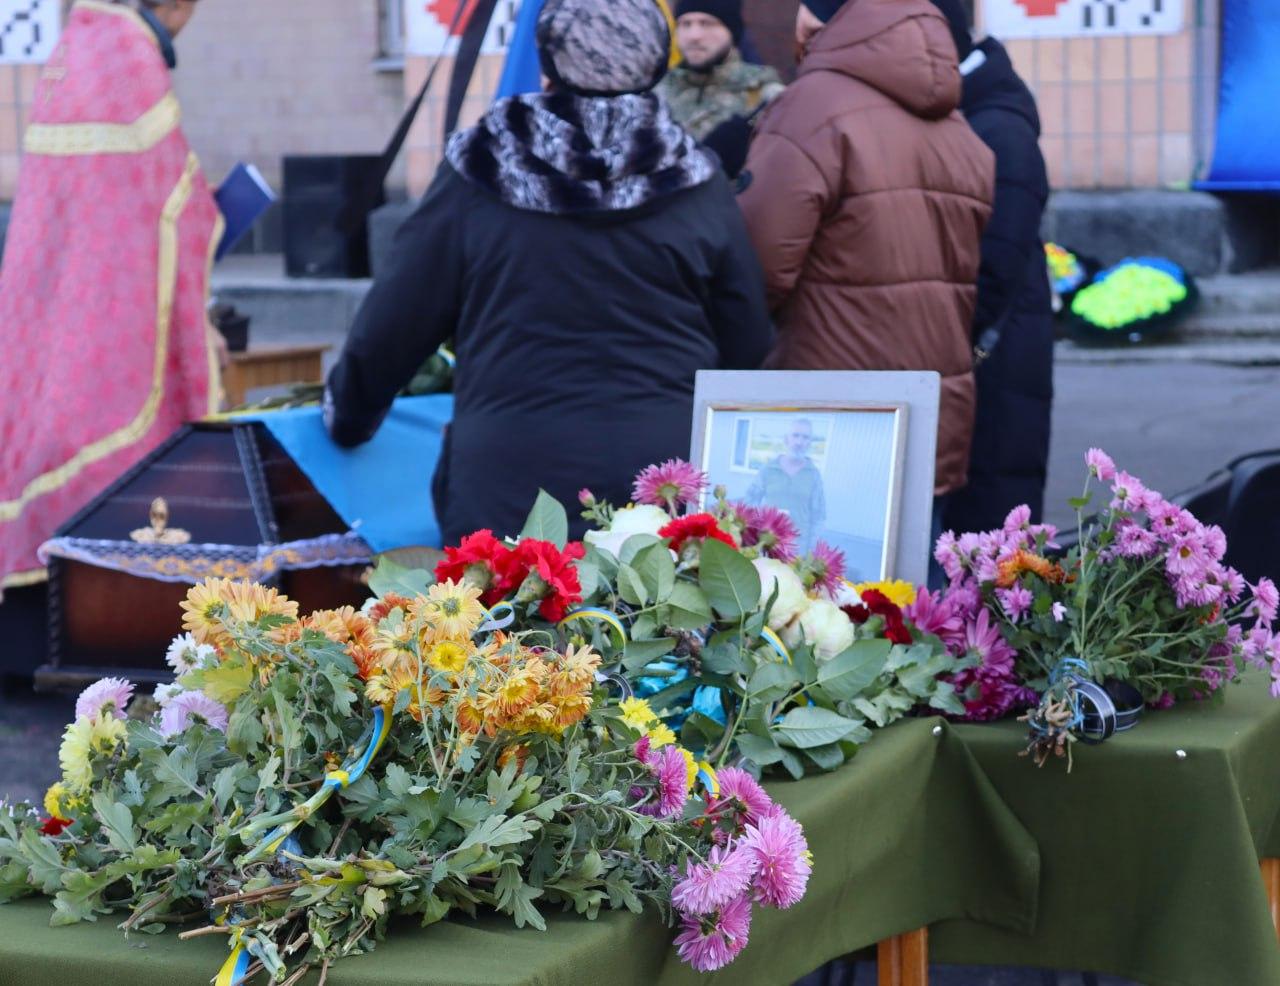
pixel 382 608
pixel 1024 561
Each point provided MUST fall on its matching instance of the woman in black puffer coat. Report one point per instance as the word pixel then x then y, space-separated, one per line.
pixel 587 258
pixel 1010 455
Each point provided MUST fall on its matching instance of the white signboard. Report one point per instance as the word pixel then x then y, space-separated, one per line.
pixel 426 26
pixel 29 30
pixel 1080 18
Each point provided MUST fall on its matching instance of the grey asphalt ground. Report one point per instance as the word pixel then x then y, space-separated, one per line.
pixel 1170 424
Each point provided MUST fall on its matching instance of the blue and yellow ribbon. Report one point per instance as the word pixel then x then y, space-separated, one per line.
pixel 775 642
pixel 335 780
pixel 233 970
pixel 600 615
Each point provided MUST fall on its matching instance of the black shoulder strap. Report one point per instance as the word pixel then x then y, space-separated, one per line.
pixel 357 207
pixel 464 66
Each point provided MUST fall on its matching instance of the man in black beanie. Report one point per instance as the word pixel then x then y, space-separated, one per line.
pixel 713 85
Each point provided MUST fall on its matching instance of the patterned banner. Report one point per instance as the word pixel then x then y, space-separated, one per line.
pixel 29 30
pixel 1080 18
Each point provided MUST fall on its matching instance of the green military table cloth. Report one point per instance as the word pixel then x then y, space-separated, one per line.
pixel 910 833
pixel 1149 848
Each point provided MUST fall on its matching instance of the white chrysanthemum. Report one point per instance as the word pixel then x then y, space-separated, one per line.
pixel 164 694
pixel 186 654
pixel 792 599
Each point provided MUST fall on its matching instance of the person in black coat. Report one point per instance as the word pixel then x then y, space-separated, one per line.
pixel 587 257
pixel 1014 320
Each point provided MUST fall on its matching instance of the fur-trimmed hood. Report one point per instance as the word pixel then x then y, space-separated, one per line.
pixel 565 154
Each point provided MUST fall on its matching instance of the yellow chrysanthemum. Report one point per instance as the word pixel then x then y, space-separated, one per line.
pixel 448 655
pixel 82 739
pixel 250 602
pixel 380 690
pixel 897 592
pixel 637 713
pixel 517 693
pixel 571 709
pixel 343 626
pixel 204 609
pixel 660 735
pixel 451 609
pixel 55 801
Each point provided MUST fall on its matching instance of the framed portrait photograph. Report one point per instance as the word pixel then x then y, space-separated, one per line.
pixel 849 456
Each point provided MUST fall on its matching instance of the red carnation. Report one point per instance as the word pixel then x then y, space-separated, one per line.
pixel 55 825
pixel 876 603
pixel 547 573
pixel 694 527
pixel 485 562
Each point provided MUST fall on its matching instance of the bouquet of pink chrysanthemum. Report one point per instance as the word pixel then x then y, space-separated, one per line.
pixel 1145 597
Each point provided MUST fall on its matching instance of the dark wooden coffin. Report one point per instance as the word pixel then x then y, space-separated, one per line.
pixel 113 605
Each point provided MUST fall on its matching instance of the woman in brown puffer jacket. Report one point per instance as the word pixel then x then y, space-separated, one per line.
pixel 866 198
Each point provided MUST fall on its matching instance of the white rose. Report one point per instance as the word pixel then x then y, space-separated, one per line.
pixel 791 600
pixel 642 519
pixel 828 631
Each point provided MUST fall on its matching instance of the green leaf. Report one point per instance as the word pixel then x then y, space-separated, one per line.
pixel 635 544
pixel 723 658
pixel 792 764
pixel 761 752
pixel 225 783
pixel 731 583
pixel 699 731
pixel 827 757
pixel 43 858
pixel 398 780
pixel 687 608
pixel 390 577
pixel 809 727
pixel 919 681
pixel 771 682
pixel 638 653
pixel 1080 502
pixel 849 673
pixel 516 898
pixel 631 587
pixel 656 570
pixel 588 578
pixel 547 521
pixel 498 830
pixel 945 699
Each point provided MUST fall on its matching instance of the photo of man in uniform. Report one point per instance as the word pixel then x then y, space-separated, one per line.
pixel 791 482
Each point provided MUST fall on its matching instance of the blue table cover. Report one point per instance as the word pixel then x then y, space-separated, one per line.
pixel 383 488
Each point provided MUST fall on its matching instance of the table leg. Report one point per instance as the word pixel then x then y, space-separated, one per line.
pixel 904 960
pixel 1271 880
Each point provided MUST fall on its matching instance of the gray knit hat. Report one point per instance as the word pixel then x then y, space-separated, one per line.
pixel 603 47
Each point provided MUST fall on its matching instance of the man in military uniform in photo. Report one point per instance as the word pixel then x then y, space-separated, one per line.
pixel 712 85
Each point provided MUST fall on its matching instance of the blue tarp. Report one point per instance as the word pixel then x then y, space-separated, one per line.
pixel 1246 154
pixel 381 489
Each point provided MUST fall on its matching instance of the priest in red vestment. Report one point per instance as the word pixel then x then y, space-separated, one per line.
pixel 104 344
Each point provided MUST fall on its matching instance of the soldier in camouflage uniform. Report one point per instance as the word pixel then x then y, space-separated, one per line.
pixel 712 84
